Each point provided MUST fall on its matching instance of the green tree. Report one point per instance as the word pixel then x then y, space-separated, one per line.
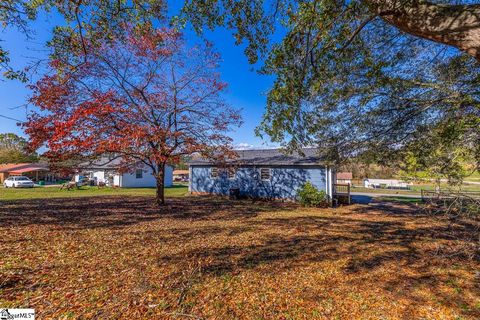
pixel 13 149
pixel 360 78
pixel 92 19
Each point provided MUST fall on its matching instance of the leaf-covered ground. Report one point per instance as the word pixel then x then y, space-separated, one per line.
pixel 209 258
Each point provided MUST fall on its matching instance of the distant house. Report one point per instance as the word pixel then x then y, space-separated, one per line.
pixel 262 174
pixel 386 184
pixel 35 171
pixel 344 177
pixel 107 171
pixel 180 175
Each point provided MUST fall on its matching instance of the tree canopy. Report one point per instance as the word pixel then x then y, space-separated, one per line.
pixel 376 79
pixel 92 19
pixel 144 97
pixel 13 149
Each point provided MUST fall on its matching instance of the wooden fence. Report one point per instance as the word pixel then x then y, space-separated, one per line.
pixel 341 193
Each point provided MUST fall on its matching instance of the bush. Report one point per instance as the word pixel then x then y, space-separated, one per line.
pixel 309 196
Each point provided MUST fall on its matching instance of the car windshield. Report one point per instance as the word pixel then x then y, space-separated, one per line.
pixel 22 179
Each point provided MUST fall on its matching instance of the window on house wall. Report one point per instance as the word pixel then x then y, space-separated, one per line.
pixel 265 173
pixel 139 174
pixel 214 173
pixel 231 173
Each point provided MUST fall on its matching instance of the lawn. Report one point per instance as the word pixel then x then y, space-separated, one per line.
pixel 415 189
pixel 474 177
pixel 209 258
pixel 55 192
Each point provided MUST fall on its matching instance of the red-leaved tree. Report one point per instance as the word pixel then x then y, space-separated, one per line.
pixel 146 98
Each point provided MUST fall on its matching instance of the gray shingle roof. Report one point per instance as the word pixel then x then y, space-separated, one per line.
pixel 268 157
pixel 103 162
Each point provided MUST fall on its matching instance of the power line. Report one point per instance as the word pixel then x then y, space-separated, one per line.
pixel 9 118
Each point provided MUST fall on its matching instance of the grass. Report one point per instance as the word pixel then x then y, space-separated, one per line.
pixel 474 177
pixel 209 258
pixel 55 192
pixel 415 189
pixel 400 199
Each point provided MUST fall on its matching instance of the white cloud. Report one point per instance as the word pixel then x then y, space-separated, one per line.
pixel 248 146
pixel 244 146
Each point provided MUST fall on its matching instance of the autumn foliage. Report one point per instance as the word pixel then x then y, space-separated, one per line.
pixel 145 97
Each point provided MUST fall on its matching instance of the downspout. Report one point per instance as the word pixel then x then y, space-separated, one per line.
pixel 190 179
pixel 326 181
pixel 330 185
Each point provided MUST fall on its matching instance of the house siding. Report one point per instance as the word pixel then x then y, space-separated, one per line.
pixel 129 180
pixel 283 184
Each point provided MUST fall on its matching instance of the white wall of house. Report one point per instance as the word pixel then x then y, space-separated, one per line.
pixel 132 180
pixel 99 175
pixel 117 180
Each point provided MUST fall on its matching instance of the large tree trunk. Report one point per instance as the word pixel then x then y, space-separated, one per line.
pixel 454 25
pixel 160 177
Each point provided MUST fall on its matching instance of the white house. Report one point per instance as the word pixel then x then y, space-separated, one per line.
pixel 386 183
pixel 107 171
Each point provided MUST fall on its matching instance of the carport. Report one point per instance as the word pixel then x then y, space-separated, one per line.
pixel 34 171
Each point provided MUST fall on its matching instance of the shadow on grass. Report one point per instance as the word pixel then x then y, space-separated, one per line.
pixel 360 242
pixel 122 211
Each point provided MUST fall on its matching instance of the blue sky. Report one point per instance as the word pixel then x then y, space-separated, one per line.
pixel 246 89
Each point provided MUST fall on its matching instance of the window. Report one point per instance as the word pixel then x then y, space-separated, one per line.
pixel 214 173
pixel 139 174
pixel 265 173
pixel 231 173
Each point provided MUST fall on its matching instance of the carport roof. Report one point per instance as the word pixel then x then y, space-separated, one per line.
pixel 23 167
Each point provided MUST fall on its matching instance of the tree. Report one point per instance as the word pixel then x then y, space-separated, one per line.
pixel 442 156
pixel 360 77
pixel 451 23
pixel 13 149
pixel 146 98
pixel 93 19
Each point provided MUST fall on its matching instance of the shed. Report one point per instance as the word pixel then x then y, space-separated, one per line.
pixel 344 177
pixel 266 173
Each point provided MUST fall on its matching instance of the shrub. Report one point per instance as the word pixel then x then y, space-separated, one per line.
pixel 309 196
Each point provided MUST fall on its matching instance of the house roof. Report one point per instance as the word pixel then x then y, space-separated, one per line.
pixel 23 167
pixel 344 176
pixel 103 162
pixel 268 157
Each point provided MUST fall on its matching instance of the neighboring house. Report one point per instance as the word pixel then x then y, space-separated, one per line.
pixel 35 171
pixel 344 177
pixel 261 174
pixel 180 175
pixel 107 171
pixel 386 184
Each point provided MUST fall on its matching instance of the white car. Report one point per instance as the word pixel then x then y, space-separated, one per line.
pixel 18 182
